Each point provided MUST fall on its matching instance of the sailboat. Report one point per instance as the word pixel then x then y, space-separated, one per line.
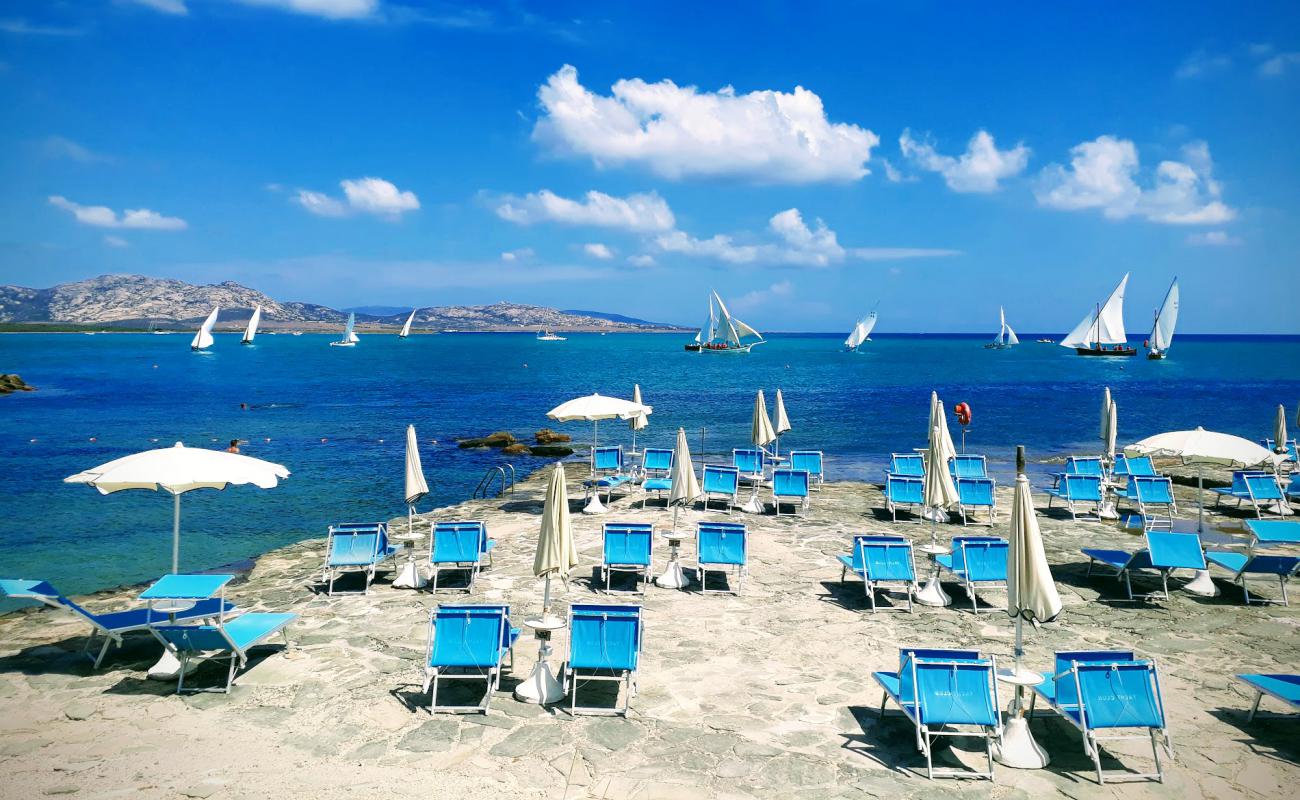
pixel 860 333
pixel 251 330
pixel 406 329
pixel 547 336
pixel 706 331
pixel 1006 337
pixel 1101 333
pixel 1162 333
pixel 726 333
pixel 203 339
pixel 349 338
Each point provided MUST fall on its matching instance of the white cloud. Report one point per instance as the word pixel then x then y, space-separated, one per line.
pixel 1202 63
pixel 329 9
pixel 174 7
pixel 21 27
pixel 761 297
pixel 1103 175
pixel 115 241
pixel 977 170
pixel 105 217
pixel 1212 239
pixel 641 260
pixel 363 195
pixel 893 175
pixel 639 213
pixel 598 250
pixel 62 147
pixel 1277 65
pixel 680 132
pixel 522 254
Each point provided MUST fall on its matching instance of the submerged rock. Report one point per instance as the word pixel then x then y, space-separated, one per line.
pixel 551 450
pixel 548 436
pixel 12 383
pixel 498 439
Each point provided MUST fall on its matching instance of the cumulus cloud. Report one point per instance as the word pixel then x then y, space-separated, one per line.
pixel 682 132
pixel 115 241
pixel 761 297
pixel 173 7
pixel 1103 175
pixel 362 195
pixel 641 260
pixel 105 217
pixel 598 250
pixel 639 213
pixel 329 9
pixel 1212 239
pixel 977 170
pixel 521 254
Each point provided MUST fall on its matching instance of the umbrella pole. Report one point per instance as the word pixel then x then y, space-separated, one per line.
pixel 176 534
pixel 1201 583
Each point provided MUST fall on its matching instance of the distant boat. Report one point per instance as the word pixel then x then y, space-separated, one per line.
pixel 406 329
pixel 1101 333
pixel 547 336
pixel 1006 337
pixel 349 338
pixel 726 334
pixel 860 333
pixel 251 331
pixel 203 339
pixel 705 332
pixel 1162 332
pixel 295 333
pixel 1045 341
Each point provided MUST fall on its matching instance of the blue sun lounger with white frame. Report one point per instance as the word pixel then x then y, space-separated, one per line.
pixel 750 462
pixel 1291 449
pixel 459 545
pixel 607 471
pixel 881 561
pixel 1265 533
pixel 722 547
pixel 1109 690
pixel 1261 489
pixel 1148 492
pixel 627 548
pixel 229 638
pixel 790 487
pixel 657 463
pixel 467 642
pixel 809 461
pixel 356 546
pixel 1134 466
pixel 1075 488
pixel 1165 552
pixel 112 625
pixel 977 493
pixel 903 490
pixel 1281 686
pixel 938 689
pixel 911 465
pixel 604 645
pixel 968 466
pixel 720 483
pixel 977 561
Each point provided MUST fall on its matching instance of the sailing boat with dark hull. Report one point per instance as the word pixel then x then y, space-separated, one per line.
pixel 1101 333
pixel 724 333
pixel 1162 332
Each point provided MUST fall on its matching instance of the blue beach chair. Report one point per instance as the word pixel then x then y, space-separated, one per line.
pixel 607 471
pixel 112 625
pixel 940 688
pixel 1264 534
pixel 356 546
pixel 881 561
pixel 977 561
pixel 221 637
pixel 1134 466
pixel 903 490
pixel 604 645
pixel 1260 488
pixel 459 545
pixel 1283 687
pixel 1165 552
pixel 1291 454
pixel 810 461
pixel 1105 691
pixel 967 466
pixel 977 493
pixel 721 482
pixel 467 642
pixel 1075 488
pixel 627 547
pixel 790 487
pixel 1146 492
pixel 722 547
pixel 749 462
pixel 658 466
pixel 911 465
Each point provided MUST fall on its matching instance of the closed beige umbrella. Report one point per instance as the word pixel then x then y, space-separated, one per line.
pixel 761 431
pixel 416 489
pixel 781 425
pixel 1279 430
pixel 940 491
pixel 684 490
pixel 1105 411
pixel 556 556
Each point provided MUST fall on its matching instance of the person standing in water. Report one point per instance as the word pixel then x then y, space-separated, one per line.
pixel 234 446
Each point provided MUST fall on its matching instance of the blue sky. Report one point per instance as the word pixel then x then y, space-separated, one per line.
pixel 809 161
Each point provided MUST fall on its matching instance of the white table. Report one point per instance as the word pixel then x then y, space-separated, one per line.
pixel 674 576
pixel 1018 748
pixel 932 594
pixel 410 577
pixel 541 686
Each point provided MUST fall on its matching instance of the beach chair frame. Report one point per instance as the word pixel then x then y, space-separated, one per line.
pixel 729 495
pixel 963 505
pixel 644 572
pixel 799 500
pixel 862 568
pixel 957 563
pixel 1066 491
pixel 739 571
pixel 814 463
pixel 348 530
pixel 659 474
pixel 1144 559
pixel 1252 562
pixel 892 499
pixel 489 673
pixel 575 676
pixel 1261 688
pixel 460 529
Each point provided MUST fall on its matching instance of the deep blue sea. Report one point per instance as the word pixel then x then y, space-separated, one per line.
pixel 336 418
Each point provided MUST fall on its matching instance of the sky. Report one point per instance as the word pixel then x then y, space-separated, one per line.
pixel 809 161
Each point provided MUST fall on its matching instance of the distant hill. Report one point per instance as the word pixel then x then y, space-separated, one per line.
pixel 378 311
pixel 618 318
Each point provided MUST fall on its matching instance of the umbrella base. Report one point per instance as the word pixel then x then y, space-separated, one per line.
pixel 540 687
pixel 934 514
pixel 1201 584
pixel 674 576
pixel 1018 748
pixel 1107 510
pixel 932 594
pixel 168 667
pixel 410 577
pixel 594 506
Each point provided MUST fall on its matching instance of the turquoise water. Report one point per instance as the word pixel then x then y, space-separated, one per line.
pixel 336 418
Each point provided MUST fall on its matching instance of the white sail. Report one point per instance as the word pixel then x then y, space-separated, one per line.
pixel 733 328
pixel 1162 335
pixel 406 329
pixel 1081 336
pixel 251 330
pixel 203 338
pixel 1011 336
pixel 861 331
pixel 1006 336
pixel 348 334
pixel 1103 326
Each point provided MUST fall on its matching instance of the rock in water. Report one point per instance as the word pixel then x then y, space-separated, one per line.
pixel 12 383
pixel 498 439
pixel 548 436
pixel 551 450
pixel 515 449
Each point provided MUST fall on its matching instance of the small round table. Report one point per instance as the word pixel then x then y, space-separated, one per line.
pixel 674 576
pixel 541 685
pixel 1018 748
pixel 168 666
pixel 410 576
pixel 932 594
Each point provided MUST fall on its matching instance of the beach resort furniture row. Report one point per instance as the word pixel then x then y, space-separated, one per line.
pixel 790 487
pixel 472 641
pixel 1261 489
pixel 719 547
pixel 362 547
pixel 973 495
pixel 188 614
pixel 884 562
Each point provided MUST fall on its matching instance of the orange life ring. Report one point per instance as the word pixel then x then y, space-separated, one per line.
pixel 963 413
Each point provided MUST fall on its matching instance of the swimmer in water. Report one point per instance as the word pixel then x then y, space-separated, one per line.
pixel 234 446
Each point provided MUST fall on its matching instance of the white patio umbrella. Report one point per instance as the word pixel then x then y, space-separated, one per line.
pixel 556 556
pixel 640 420
pixel 1279 430
pixel 593 408
pixel 684 489
pixel 416 489
pixel 782 422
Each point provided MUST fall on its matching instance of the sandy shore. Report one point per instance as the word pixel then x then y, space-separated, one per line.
pixel 764 695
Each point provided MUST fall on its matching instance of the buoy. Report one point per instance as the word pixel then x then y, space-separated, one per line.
pixel 33 441
pixel 525 366
pixel 155 366
pixel 381 441
pixel 153 440
pixel 92 438
pixel 323 439
pixel 268 438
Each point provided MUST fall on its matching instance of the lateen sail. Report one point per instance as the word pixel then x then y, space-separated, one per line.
pixel 406 329
pixel 1104 326
pixel 1006 336
pixel 861 332
pixel 348 334
pixel 203 338
pixel 1162 335
pixel 733 328
pixel 251 330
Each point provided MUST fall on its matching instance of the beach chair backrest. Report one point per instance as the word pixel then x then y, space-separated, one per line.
pixel 904 488
pixel 609 459
pixel 604 636
pixel 464 525
pixel 884 558
pixel 456 543
pixel 975 491
pixel 722 543
pixel 983 558
pixel 809 461
pixel 467 635
pixel 1263 486
pixel 1158 491
pixel 968 466
pixel 1083 465
pixel 954 692
pixel 42 592
pixel 790 483
pixel 627 542
pixel 910 464
pixel 1267 532
pixel 1067 693
pixel 747 460
pixel 1141 466
pixel 1082 488
pixel 1171 550
pixel 721 480
pixel 657 460
pixel 906 655
pixel 504 609
pixel 1121 694
pixel 355 542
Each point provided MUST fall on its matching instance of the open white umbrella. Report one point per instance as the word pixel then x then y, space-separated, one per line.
pixel 781 425
pixel 556 556
pixel 593 408
pixel 416 489
pixel 684 490
pixel 640 420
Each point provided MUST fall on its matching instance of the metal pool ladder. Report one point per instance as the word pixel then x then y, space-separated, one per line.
pixel 504 473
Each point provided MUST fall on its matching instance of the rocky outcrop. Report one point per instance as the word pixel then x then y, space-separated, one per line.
pixel 12 383
pixel 548 436
pixel 500 439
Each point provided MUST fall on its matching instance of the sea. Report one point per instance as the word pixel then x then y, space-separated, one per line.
pixel 336 418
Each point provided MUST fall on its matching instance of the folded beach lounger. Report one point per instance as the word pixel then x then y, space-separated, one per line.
pixel 881 562
pixel 219 638
pixel 1134 466
pixel 903 490
pixel 1165 552
pixel 721 483
pixel 467 642
pixel 459 545
pixel 1150 494
pixel 1283 687
pixel 657 464
pixel 722 547
pixel 810 461
pixel 790 487
pixel 607 471
pixel 356 547
pixel 114 624
pixel 977 561
pixel 627 547
pixel 911 465
pixel 604 645
pixel 974 494
pixel 1264 534
pixel 940 689
pixel 1098 691
pixel 968 466
pixel 1261 489
pixel 1075 489
pixel 750 462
